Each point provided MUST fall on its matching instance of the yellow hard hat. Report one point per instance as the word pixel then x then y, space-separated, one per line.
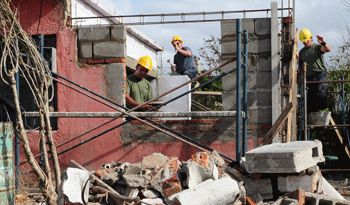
pixel 305 35
pixel 176 38
pixel 146 62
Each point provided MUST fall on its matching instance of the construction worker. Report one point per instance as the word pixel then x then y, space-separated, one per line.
pixel 184 60
pixel 312 54
pixel 138 89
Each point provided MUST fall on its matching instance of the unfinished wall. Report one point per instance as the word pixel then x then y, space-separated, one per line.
pixel 259 70
pixel 105 45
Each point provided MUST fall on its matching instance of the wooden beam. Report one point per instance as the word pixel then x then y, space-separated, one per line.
pixel 292 84
pixel 340 137
pixel 278 124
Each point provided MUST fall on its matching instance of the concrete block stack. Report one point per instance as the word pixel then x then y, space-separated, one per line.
pixel 101 44
pixel 291 169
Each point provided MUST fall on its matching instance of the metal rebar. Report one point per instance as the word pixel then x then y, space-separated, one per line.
pixel 245 92
pixel 238 91
pixel 136 114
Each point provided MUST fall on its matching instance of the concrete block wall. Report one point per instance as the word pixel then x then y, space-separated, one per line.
pixel 105 45
pixel 259 70
pixel 100 44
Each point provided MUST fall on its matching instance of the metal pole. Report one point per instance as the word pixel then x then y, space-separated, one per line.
pixel 245 91
pixel 306 133
pixel 238 91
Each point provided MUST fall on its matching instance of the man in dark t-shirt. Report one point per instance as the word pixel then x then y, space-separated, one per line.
pixel 312 55
pixel 184 60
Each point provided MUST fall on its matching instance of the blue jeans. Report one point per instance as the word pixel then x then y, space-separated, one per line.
pixel 191 73
pixel 317 92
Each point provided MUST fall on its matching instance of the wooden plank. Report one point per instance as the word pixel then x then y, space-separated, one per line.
pixel 206 93
pixel 292 84
pixel 340 137
pixel 278 124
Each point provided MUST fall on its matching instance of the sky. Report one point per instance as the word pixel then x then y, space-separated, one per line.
pixel 321 17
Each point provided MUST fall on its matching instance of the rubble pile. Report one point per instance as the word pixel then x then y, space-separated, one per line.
pixel 273 174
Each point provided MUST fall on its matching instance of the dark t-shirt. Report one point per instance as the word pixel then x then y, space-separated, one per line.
pixel 313 57
pixel 184 63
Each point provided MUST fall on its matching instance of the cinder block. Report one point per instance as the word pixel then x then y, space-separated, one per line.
pixel 93 34
pixel 114 75
pixel 259 186
pixel 320 199
pixel 285 201
pixel 229 27
pixel 292 157
pixel 263 26
pixel 256 46
pixel 264 64
pixel 264 98
pixel 229 46
pixel 291 183
pixel 263 81
pixel 118 33
pixel 111 49
pixel 85 50
pixel 221 191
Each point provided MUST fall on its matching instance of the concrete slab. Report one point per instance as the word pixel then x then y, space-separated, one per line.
pixel 292 157
pixel 221 191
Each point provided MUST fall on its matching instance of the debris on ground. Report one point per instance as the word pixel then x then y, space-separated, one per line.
pixel 272 174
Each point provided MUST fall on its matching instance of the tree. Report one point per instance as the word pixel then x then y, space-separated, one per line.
pixel 38 77
pixel 211 55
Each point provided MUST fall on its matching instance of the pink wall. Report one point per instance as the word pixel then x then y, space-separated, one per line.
pixel 108 147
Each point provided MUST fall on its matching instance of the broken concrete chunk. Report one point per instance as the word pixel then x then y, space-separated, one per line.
pixel 325 188
pixel 195 173
pixel 75 186
pixel 319 199
pixel 109 178
pixel 134 180
pixel 133 169
pixel 291 157
pixel 150 193
pixel 221 191
pixel 153 160
pixel 131 192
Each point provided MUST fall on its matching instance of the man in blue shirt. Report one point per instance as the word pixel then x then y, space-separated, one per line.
pixel 184 60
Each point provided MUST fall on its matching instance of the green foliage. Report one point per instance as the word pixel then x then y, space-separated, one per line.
pixel 210 54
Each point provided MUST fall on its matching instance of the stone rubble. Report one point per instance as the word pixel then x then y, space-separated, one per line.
pixel 205 179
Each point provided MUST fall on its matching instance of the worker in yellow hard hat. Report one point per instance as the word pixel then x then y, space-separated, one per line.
pixel 138 89
pixel 184 60
pixel 312 55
